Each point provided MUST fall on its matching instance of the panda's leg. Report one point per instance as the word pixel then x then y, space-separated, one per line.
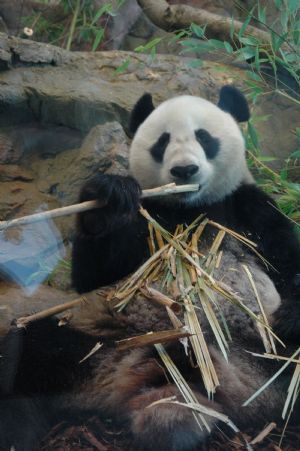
pixel 167 426
pixel 23 422
pixel 240 378
pixel 124 387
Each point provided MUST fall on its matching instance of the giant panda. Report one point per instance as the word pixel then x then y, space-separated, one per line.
pixel 184 140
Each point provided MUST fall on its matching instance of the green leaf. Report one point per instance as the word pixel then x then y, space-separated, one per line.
pixel 267 159
pixel 293 5
pixel 104 9
pixel 152 43
pixel 228 47
pixel 283 174
pixel 252 134
pixel 296 154
pixel 292 58
pixel 253 75
pixel 261 12
pixel 216 44
pixel 195 63
pixel 278 3
pixel 277 41
pixel 148 46
pixel 296 36
pixel 98 38
pixel 255 90
pixel 257 59
pixel 245 24
pixel 122 67
pixel 198 31
pixel 153 53
pixel 196 46
pixel 249 40
pixel 190 42
pixel 245 53
pixel 178 35
pixel 139 49
pixel 85 34
pixel 284 17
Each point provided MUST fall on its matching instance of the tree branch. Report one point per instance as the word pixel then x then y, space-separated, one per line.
pixel 175 17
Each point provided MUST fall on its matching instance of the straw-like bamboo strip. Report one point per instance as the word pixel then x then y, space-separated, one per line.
pixel 181 383
pixel 269 344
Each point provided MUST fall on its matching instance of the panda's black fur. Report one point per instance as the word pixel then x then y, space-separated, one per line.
pixel 41 380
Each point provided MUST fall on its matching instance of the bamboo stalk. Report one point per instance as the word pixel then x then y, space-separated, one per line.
pixel 171 188
pixel 263 434
pixel 151 338
pixel 159 298
pixel 25 320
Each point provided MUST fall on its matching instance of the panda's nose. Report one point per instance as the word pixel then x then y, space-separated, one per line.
pixel 184 172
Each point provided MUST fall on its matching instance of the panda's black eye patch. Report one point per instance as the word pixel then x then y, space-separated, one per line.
pixel 158 149
pixel 210 145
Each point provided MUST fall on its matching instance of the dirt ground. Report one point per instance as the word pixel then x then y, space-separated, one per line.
pixel 101 435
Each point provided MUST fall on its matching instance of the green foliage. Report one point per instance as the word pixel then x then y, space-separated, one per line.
pixel 278 184
pixel 82 23
pixel 281 55
pixel 150 47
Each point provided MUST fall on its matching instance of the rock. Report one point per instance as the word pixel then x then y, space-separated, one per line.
pixel 104 149
pixel 13 172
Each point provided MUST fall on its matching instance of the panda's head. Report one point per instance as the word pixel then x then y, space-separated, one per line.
pixel 188 139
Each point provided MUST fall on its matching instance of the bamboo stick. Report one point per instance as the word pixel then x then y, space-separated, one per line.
pixel 171 188
pixel 25 320
pixel 156 296
pixel 151 338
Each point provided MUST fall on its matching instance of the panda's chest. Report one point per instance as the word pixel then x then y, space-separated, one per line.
pixel 169 216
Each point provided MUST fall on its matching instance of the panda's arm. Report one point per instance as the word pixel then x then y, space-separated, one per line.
pixel 277 241
pixel 111 241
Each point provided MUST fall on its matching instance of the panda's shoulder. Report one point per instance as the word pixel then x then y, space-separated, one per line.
pixel 251 193
pixel 254 205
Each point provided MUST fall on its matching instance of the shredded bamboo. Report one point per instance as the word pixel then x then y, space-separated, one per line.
pixel 183 387
pixel 186 275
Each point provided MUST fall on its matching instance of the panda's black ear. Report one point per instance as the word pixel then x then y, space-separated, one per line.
pixel 140 112
pixel 234 102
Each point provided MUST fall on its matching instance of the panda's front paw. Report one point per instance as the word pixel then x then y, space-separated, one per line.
pixel 119 198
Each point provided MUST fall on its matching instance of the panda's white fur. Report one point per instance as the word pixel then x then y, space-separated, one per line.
pixel 181 117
